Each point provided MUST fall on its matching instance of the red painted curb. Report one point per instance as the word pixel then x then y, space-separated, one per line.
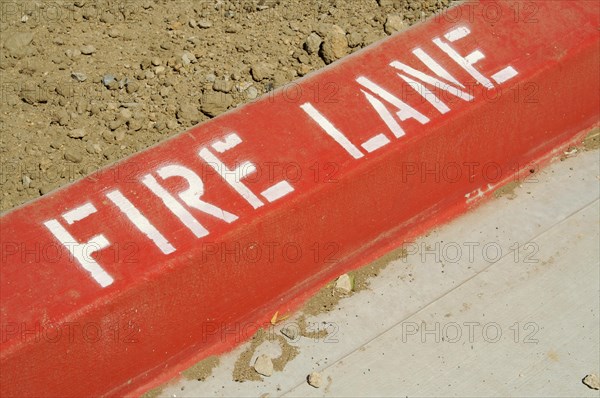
pixel 182 250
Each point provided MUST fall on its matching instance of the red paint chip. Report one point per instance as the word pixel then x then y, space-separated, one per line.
pixel 116 281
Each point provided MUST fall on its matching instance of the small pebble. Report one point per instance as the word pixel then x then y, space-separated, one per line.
pixel 79 76
pixel 393 24
pixel 335 44
pixel 263 365
pixel 592 381
pixel 261 71
pixel 73 155
pixel 232 28
pixel 213 103
pixel 344 284
pixel 77 133
pixel 47 188
pixel 132 87
pixel 313 43
pixel 115 124
pixel 223 85
pixel 204 24
pixel 134 124
pixel 114 33
pixel 188 58
pixel 70 53
pixel 108 79
pixel 315 380
pixel 251 92
pixel 172 124
pixel 93 148
pixel 87 50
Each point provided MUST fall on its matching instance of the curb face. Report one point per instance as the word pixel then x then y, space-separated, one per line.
pixel 148 263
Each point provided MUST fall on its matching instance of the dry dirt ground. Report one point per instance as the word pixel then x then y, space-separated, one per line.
pixel 87 82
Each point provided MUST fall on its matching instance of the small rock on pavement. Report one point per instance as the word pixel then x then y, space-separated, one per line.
pixel 77 133
pixel 315 379
pixel 73 155
pixel 313 43
pixel 394 23
pixel 344 284
pixel 335 44
pixel 87 50
pixel 263 365
pixel 592 381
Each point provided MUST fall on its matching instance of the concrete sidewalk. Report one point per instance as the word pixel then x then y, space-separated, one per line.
pixel 503 301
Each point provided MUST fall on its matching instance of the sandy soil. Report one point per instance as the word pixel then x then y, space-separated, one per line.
pixel 87 82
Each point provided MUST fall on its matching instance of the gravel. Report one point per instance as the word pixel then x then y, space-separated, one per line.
pixel 393 24
pixel 213 55
pixel 315 379
pixel 264 365
pixel 335 44
pixel 344 284
pixel 87 50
